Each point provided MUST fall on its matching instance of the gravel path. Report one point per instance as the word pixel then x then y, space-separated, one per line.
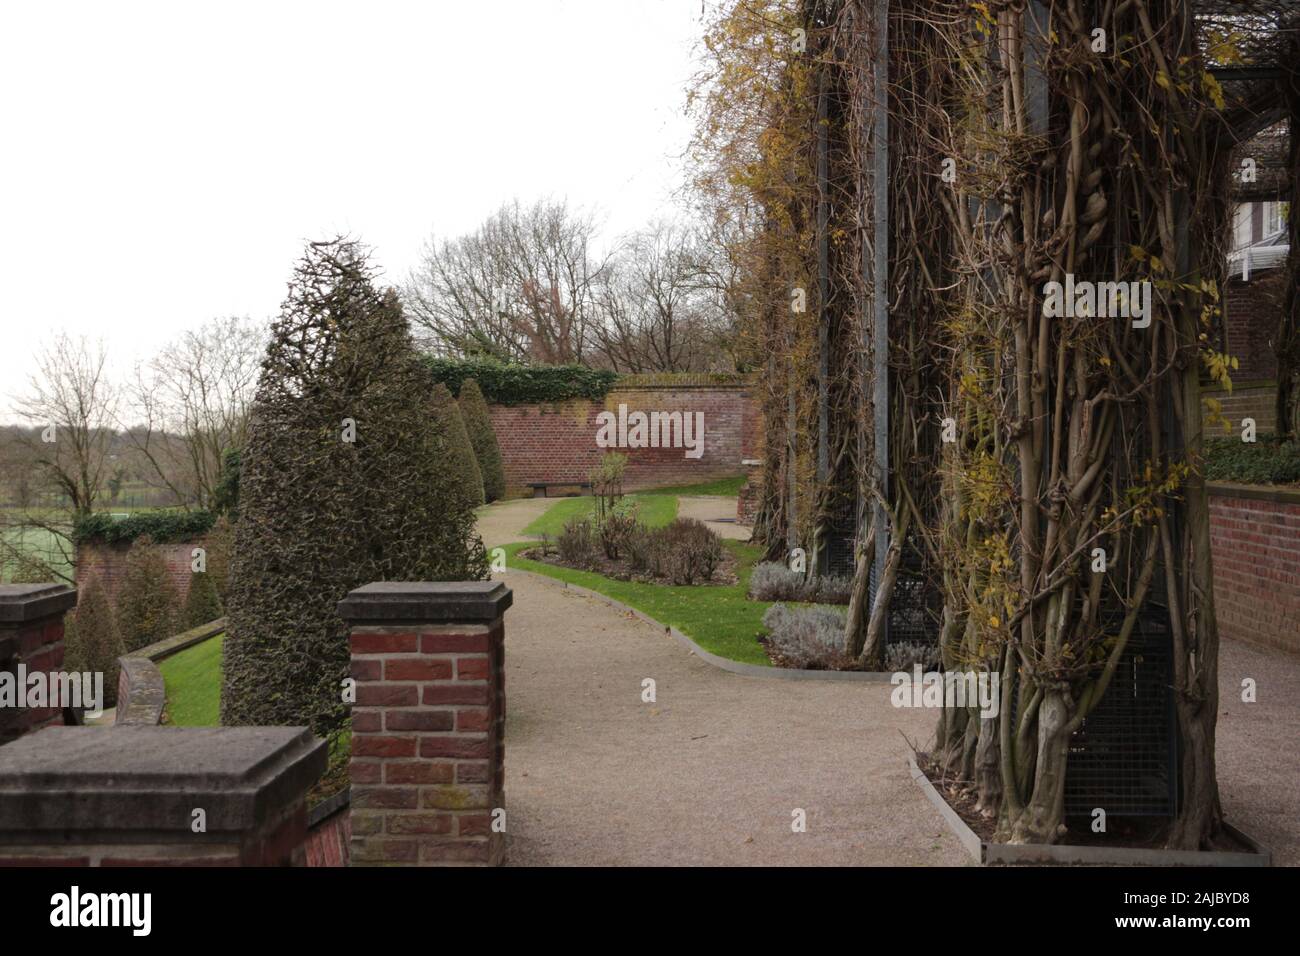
pixel 708 509
pixel 710 772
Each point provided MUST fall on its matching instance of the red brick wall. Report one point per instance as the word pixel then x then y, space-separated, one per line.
pixel 1256 549
pixel 327 841
pixel 108 562
pixel 38 646
pixel 557 442
pixel 1250 314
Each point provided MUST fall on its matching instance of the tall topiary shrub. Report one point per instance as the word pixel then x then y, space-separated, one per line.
pixel 474 409
pixel 202 603
pixel 147 604
pixel 92 640
pixel 461 460
pixel 218 543
pixel 343 482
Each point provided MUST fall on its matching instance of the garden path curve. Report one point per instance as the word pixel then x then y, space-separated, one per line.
pixel 709 773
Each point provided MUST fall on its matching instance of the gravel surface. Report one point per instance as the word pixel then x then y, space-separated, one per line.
pixel 707 774
pixel 710 772
pixel 708 509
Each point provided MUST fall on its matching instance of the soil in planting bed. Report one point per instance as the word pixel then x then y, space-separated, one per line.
pixel 724 574
pixel 1136 833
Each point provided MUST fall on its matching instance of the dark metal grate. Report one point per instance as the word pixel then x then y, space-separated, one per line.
pixel 1123 758
pixel 916 606
pixel 839 549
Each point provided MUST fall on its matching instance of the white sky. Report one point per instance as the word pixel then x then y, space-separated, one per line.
pixel 161 163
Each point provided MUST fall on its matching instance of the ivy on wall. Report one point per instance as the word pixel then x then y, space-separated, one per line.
pixel 1256 463
pixel 513 384
pixel 162 526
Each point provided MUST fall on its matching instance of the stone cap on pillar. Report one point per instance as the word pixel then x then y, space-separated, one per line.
pixel 20 603
pixel 459 602
pixel 132 779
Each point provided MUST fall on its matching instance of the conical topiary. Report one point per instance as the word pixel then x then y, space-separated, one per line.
pixel 91 639
pixel 478 422
pixel 218 543
pixel 202 604
pixel 461 460
pixel 343 482
pixel 147 603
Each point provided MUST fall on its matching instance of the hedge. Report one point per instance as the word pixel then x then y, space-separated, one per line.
pixel 1262 462
pixel 513 384
pixel 162 526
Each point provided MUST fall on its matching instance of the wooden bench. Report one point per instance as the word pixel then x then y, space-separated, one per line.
pixel 584 487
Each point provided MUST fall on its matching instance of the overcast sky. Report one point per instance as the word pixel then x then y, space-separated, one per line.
pixel 163 162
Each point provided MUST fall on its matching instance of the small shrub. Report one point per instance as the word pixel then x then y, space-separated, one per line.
pixel 772 581
pixel 577 544
pixel 616 530
pixel 807 637
pixel 689 551
pixel 907 654
pixel 92 640
pixel 147 604
pixel 202 603
pixel 640 546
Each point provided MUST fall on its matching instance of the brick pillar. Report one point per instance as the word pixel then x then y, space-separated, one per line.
pixel 31 635
pixel 428 723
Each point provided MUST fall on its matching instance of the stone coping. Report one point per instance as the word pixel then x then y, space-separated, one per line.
pixel 179 642
pixel 1281 494
pixel 328 807
pixel 433 602
pixel 69 780
pixel 20 603
pixel 142 693
pixel 1006 853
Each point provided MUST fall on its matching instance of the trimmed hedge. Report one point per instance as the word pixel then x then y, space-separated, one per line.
pixel 511 384
pixel 1259 463
pixel 459 461
pixel 91 638
pixel 473 408
pixel 147 604
pixel 202 604
pixel 162 526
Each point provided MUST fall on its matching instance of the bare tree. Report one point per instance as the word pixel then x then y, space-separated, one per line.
pixel 522 287
pixel 190 405
pixel 71 405
pixel 660 304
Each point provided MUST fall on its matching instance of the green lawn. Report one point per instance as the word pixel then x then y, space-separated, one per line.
pixel 724 487
pixel 720 619
pixel 193 679
pixel 653 509
pixel 40 544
